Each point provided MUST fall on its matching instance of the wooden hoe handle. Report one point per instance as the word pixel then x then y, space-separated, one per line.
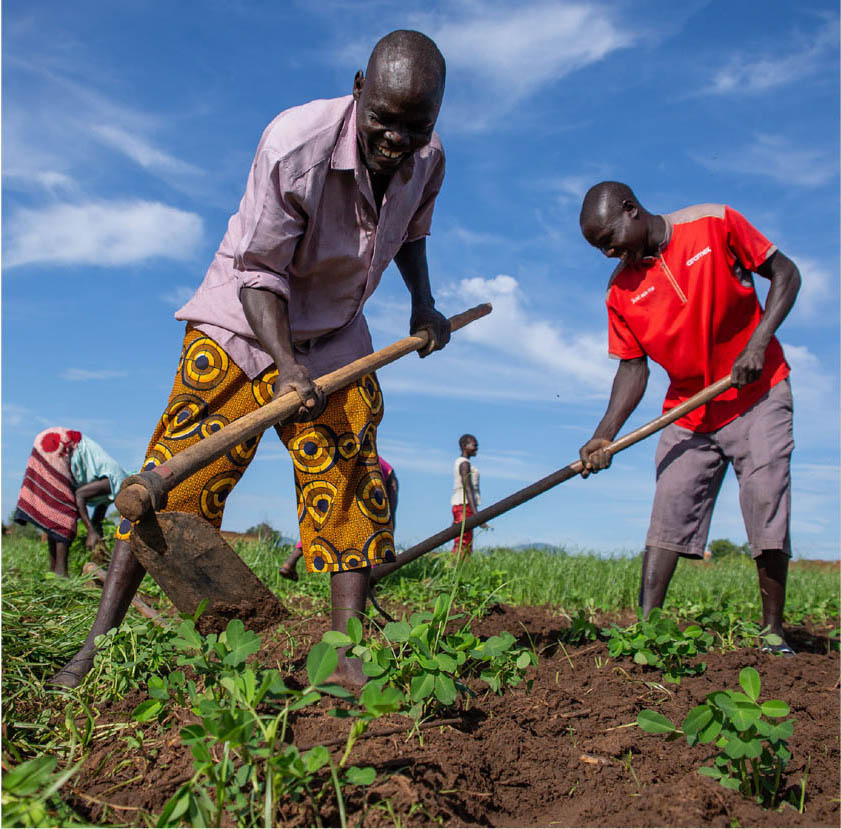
pixel 147 490
pixel 557 477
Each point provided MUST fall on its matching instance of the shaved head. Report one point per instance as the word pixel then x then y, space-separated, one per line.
pixel 603 201
pixel 409 58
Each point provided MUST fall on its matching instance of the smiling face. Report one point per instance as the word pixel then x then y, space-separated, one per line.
pixel 396 110
pixel 619 231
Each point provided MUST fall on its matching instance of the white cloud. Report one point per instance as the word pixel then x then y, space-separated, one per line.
pixel 815 393
pixel 778 158
pixel 15 415
pixel 512 328
pixel 815 288
pixel 499 54
pixel 746 74
pixel 82 374
pixel 572 188
pixel 511 355
pixel 142 151
pixel 178 295
pixel 101 233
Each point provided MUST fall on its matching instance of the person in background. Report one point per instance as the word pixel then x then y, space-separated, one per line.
pixel 683 294
pixel 289 568
pixel 67 472
pixel 465 497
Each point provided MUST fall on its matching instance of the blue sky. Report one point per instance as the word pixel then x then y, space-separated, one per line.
pixel 128 130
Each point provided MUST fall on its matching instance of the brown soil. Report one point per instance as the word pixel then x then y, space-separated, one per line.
pixel 564 754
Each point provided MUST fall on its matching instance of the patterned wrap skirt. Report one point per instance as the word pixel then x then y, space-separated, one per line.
pixel 343 513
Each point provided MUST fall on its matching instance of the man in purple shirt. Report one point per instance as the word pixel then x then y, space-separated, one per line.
pixel 338 188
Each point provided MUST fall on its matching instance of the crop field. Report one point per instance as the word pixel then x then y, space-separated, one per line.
pixel 516 689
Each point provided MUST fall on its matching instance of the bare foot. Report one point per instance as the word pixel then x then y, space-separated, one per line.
pixel 74 672
pixel 348 674
pixel 288 572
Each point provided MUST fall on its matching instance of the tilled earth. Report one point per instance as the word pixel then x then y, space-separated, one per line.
pixel 565 753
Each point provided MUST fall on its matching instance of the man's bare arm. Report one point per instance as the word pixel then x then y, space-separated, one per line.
pixel 101 486
pixel 268 316
pixel 413 267
pixel 785 283
pixel 467 484
pixel 627 391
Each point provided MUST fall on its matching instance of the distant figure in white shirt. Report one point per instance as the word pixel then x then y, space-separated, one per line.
pixel 465 498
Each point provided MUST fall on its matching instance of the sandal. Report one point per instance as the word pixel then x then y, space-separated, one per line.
pixel 782 649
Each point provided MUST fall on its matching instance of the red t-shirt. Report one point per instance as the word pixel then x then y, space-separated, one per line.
pixel 692 309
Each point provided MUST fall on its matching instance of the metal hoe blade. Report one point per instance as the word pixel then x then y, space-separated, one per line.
pixel 191 562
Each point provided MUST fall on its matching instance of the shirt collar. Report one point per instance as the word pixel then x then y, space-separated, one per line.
pixel 668 236
pixel 345 152
pixel 666 239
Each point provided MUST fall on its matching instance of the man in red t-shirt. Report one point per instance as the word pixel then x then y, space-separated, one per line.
pixel 683 295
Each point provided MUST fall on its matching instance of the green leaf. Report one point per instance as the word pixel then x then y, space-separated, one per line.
pixel 750 682
pixel 336 691
pixel 640 658
pixel 709 771
pixel 775 708
pixel 422 686
pixel 305 700
pixel 710 732
pixel 653 722
pixel 191 734
pixel 782 731
pixel 730 783
pixel 744 715
pixel 420 644
pixel 29 776
pixel 361 776
pixel 337 639
pixel 524 660
pixel 372 669
pixel 445 689
pixel 175 807
pixel 397 631
pixel 446 662
pixel 241 643
pixel 441 605
pixel 190 639
pixel 157 688
pixel 316 758
pixel 697 719
pixel 737 748
pixel 354 629
pixel 201 752
pixel 147 710
pixel 321 662
pixel 380 700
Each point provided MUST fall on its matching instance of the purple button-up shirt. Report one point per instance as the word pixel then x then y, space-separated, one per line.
pixel 307 229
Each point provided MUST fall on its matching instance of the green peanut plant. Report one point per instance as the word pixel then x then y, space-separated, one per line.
pixel 428 665
pixel 751 737
pixel 659 643
pixel 244 765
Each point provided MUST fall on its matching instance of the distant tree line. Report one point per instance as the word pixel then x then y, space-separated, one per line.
pixel 722 547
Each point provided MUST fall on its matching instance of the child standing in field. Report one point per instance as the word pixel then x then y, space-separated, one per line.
pixel 465 497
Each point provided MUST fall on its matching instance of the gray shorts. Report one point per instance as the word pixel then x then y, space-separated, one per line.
pixel 691 466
